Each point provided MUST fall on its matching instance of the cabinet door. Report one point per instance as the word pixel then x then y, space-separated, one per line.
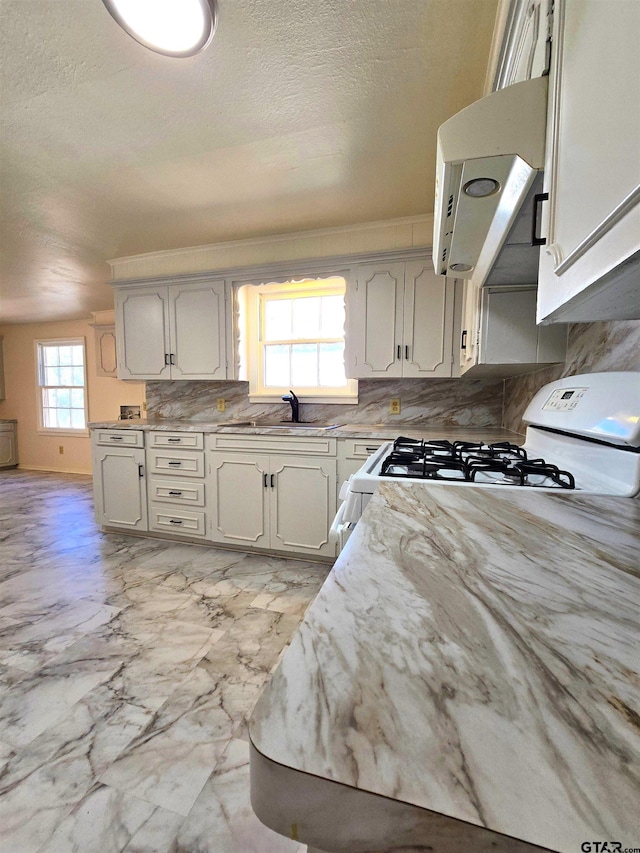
pixel 237 497
pixel 8 450
pixel 302 504
pixel 198 344
pixel 374 321
pixel 428 321
pixel 142 333
pixel 592 169
pixel 119 487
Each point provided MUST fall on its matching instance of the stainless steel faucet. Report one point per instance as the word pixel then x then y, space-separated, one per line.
pixel 295 406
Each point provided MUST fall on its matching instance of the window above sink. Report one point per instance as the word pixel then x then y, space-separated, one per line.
pixel 292 336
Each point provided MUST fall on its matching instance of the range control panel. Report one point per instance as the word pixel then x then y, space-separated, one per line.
pixel 564 399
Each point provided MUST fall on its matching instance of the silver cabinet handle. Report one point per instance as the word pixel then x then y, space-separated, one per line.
pixel 265 480
pixel 140 470
pixel 406 353
pixel 371 449
pixel 172 358
pixel 399 352
pixel 174 439
pixel 166 358
pixel 174 521
pixel 174 463
pixel 273 481
pixel 175 494
pixel 117 438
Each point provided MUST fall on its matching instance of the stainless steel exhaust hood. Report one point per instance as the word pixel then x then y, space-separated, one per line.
pixel 488 157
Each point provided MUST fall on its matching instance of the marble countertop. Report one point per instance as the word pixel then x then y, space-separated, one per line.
pixel 382 431
pixel 475 653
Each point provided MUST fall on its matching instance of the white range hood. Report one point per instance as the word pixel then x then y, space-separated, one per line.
pixel 488 156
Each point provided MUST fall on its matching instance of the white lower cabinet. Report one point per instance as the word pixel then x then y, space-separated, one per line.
pixel 282 503
pixel 119 485
pixel 283 499
pixel 8 446
pixel 177 491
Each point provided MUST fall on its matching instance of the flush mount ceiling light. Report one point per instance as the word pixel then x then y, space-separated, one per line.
pixel 481 187
pixel 171 27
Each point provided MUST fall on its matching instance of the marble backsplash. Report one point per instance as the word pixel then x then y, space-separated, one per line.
pixel 592 348
pixel 445 402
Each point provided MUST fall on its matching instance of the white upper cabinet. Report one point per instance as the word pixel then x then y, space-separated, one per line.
pixel 142 333
pixel 524 55
pixel 592 172
pixel 197 326
pixel 399 321
pixel 172 331
pixel 499 333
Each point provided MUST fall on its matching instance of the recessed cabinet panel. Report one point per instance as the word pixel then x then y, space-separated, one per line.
pixel 239 500
pixel 302 504
pixel 428 322
pixel 106 362
pixel 142 315
pixel 510 327
pixel 377 316
pixel 198 331
pixel 119 487
pixel 8 446
pixel 186 463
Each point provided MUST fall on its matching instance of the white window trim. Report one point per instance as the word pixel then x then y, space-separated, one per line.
pixel 42 429
pixel 257 393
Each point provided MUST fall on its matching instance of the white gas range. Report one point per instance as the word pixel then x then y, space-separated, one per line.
pixel 583 436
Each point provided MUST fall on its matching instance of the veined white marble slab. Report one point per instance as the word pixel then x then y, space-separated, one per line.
pixel 474 653
pixel 382 431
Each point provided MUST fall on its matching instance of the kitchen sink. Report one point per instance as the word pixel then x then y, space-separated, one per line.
pixel 280 425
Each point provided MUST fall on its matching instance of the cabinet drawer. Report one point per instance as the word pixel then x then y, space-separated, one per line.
pixel 120 437
pixel 166 519
pixel 188 440
pixel 185 463
pixel 176 492
pixel 308 445
pixel 360 448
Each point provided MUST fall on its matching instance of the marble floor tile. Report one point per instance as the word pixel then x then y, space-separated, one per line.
pixel 222 820
pixel 108 821
pixel 128 669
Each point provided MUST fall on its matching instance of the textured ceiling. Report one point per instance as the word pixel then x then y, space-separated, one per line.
pixel 301 114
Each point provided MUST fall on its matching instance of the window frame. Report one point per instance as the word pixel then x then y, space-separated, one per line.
pixel 306 286
pixel 40 386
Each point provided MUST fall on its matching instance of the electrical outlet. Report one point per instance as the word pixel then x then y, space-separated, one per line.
pixel 60 448
pixel 394 406
pixel 221 404
pixel 144 405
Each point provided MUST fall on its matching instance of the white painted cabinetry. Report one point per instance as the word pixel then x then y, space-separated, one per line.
pixel 8 445
pixel 399 321
pixel 499 333
pixel 173 331
pixel 176 489
pixel 590 267
pixel 119 479
pixel 277 500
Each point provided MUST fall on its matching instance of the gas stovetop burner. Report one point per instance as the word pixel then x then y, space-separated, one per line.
pixel 497 463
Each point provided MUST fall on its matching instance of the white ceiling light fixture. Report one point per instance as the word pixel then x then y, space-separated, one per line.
pixel 171 27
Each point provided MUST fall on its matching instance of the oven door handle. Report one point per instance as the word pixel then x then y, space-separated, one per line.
pixel 336 524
